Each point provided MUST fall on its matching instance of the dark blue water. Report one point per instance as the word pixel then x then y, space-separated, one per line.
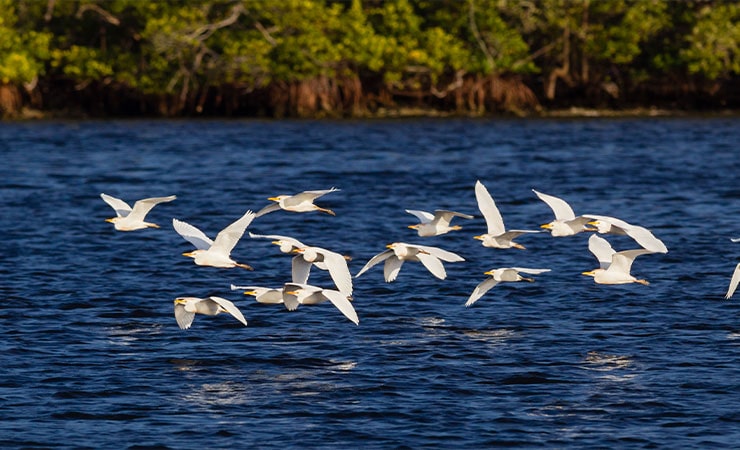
pixel 91 355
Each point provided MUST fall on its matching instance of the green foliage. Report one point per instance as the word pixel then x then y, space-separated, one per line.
pixel 23 53
pixel 714 44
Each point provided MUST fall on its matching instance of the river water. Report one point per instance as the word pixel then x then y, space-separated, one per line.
pixel 92 357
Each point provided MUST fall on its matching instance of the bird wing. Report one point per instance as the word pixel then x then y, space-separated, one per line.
pixel 511 234
pixel 444 217
pixel 143 206
pixel 622 261
pixel 227 238
pixel 338 270
pixel 423 216
pixel 433 264
pixel 122 208
pixel 267 209
pixel 300 269
pixel 735 239
pixel 559 207
pixel 382 256
pixel 339 299
pixel 602 250
pixel 481 289
pixel 192 234
pixel 290 300
pixel 277 237
pixel 444 255
pixel 307 196
pixel 733 282
pixel 613 221
pixel 230 308
pixel 487 207
pixel 646 239
pixel 184 319
pixel 530 271
pixel 391 269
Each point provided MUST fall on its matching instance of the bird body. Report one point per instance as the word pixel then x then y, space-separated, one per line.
pixel 496 236
pixel 566 223
pixel 272 296
pixel 214 253
pixel 614 266
pixel 496 276
pixel 398 252
pixel 435 224
pixel 131 219
pixel 302 202
pixel 187 307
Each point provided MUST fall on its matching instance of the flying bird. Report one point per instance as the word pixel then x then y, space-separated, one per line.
pixel 437 223
pixel 566 223
pixel 614 267
pixel 306 294
pixel 497 236
pixel 130 219
pixel 496 276
pixel 187 307
pixel 733 282
pixel 271 296
pixel 215 253
pixel 398 252
pixel 302 202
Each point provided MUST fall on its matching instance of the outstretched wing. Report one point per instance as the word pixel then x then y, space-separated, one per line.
pixel 301 269
pixel 530 271
pixel 733 282
pixel 184 319
pixel 339 299
pixel 382 256
pixel 307 196
pixel 229 236
pixel 433 264
pixel 444 217
pixel 481 289
pixel 601 249
pixel 488 208
pixel 444 255
pixel 423 216
pixel 391 269
pixel 622 261
pixel 646 239
pixel 338 270
pixel 192 234
pixel 277 237
pixel 230 308
pixel 143 206
pixel 559 207
pixel 267 209
pixel 122 208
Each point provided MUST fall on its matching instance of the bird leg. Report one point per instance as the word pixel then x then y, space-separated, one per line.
pixel 328 211
pixel 645 282
pixel 244 266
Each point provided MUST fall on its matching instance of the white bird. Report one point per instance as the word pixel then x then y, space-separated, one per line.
pixel 307 255
pixel 566 223
pixel 130 219
pixel 614 266
pixel 437 223
pixel 187 307
pixel 306 294
pixel 271 296
pixel 497 236
pixel 735 239
pixel 398 252
pixel 497 276
pixel 215 253
pixel 733 282
pixel 641 235
pixel 302 202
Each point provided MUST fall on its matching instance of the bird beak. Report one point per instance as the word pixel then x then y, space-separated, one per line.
pixel 297 250
pixel 291 292
pixel 274 199
pixel 590 273
pixel 275 242
pixel 594 223
pixel 179 301
pixel 389 246
pixel 250 293
pixel 489 273
pixel 546 226
pixel 189 254
pixel 480 238
pixel 414 227
pixel 109 220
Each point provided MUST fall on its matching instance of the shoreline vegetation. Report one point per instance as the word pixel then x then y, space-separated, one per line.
pixel 368 58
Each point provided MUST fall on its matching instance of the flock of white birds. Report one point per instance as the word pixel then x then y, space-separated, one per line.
pixel 614 267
